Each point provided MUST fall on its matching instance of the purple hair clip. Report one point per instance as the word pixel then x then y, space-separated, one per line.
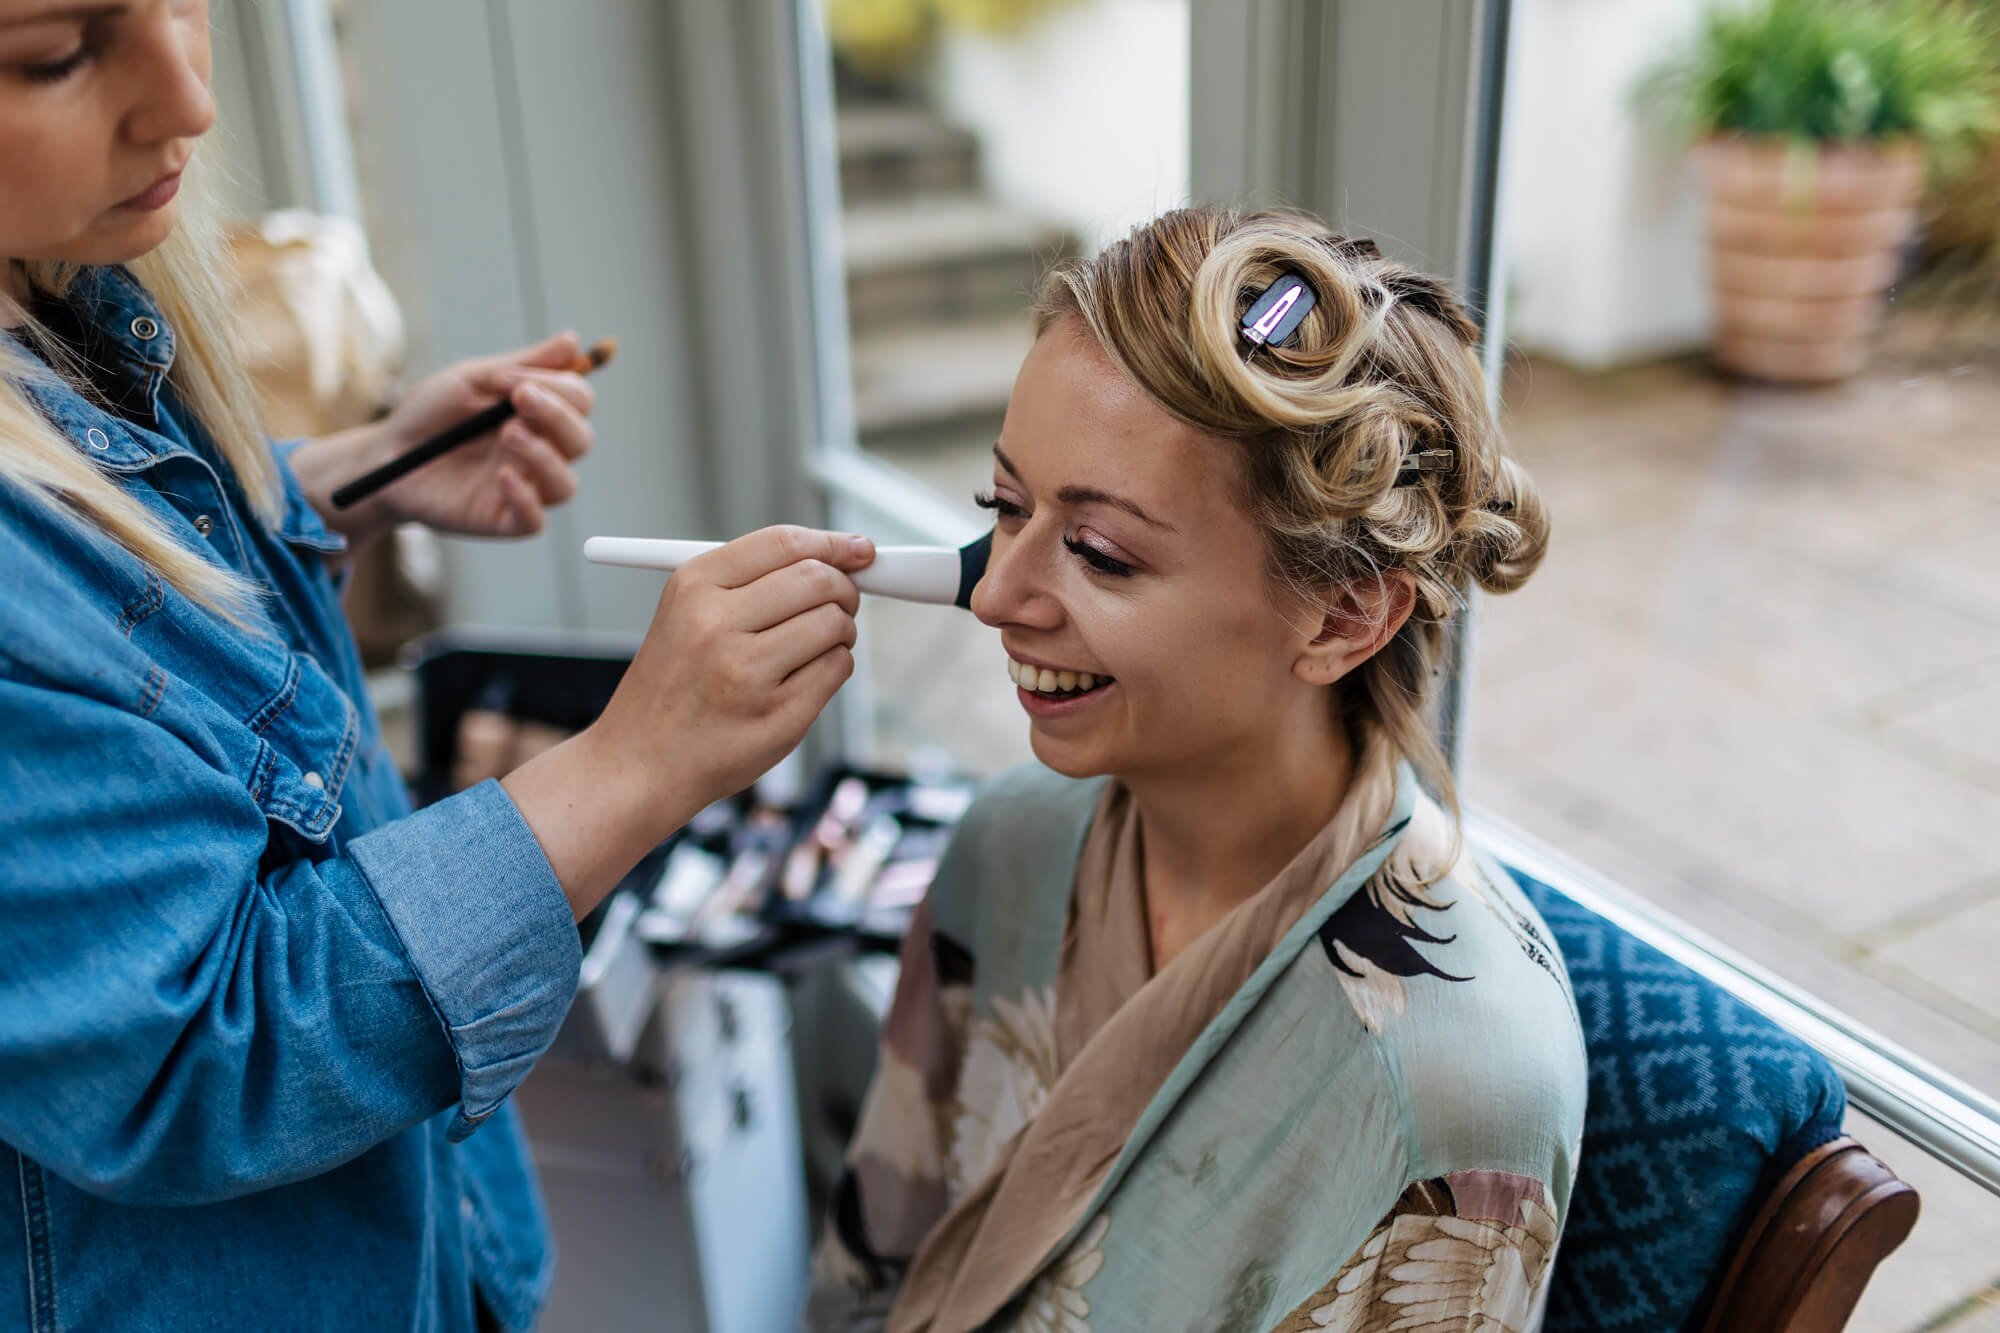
pixel 1277 314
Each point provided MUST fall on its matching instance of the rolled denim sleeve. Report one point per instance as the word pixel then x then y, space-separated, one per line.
pixel 301 523
pixel 500 979
pixel 195 1005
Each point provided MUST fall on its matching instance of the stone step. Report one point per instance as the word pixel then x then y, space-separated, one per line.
pixel 920 384
pixel 888 151
pixel 937 257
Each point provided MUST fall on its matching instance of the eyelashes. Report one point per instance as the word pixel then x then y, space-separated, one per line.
pixel 56 71
pixel 1004 508
pixel 1095 560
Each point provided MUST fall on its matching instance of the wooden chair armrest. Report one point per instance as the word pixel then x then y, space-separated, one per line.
pixel 1814 1243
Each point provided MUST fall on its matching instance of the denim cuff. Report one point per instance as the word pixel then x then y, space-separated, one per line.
pixel 302 524
pixel 488 931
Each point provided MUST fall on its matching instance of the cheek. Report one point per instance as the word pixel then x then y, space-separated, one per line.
pixel 1199 648
pixel 45 175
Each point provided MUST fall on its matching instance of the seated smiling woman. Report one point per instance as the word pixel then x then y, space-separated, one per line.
pixel 1211 1020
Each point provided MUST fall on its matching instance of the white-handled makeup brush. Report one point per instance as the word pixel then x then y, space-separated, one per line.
pixel 934 574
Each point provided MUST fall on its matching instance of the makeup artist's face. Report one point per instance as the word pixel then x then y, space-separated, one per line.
pixel 1123 552
pixel 100 107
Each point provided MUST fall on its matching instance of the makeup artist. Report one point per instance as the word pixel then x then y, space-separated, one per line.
pixel 258 1021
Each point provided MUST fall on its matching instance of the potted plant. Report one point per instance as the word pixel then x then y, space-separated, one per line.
pixel 1817 120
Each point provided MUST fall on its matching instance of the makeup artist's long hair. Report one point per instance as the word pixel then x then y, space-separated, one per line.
pixel 1386 364
pixel 185 276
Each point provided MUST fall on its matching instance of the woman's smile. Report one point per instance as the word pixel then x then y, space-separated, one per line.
pixel 1048 691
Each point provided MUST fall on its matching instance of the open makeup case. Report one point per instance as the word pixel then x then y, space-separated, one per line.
pixel 717 1028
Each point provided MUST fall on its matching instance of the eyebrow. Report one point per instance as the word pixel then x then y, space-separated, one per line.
pixel 1083 495
pixel 68 13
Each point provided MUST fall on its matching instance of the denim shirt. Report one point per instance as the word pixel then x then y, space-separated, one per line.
pixel 252 1009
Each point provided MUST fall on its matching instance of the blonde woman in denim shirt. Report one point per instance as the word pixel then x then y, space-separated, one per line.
pixel 258 1021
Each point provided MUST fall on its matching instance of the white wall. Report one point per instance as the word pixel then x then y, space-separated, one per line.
pixel 1602 214
pixel 1082 114
pixel 242 187
pixel 621 167
pixel 1083 117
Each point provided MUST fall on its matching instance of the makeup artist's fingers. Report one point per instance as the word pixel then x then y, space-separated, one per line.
pixel 566 385
pixel 540 463
pixel 524 511
pixel 792 591
pixel 556 352
pixel 567 428
pixel 750 558
pixel 789 645
pixel 809 689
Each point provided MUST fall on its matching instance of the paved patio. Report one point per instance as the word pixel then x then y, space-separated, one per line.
pixel 1757 681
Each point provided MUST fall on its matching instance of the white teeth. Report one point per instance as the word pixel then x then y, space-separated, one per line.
pixel 1044 680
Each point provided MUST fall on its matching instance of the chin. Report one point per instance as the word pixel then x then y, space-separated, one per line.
pixel 146 234
pixel 136 239
pixel 1068 759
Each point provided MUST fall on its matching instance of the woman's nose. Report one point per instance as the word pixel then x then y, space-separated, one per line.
pixel 1016 587
pixel 171 99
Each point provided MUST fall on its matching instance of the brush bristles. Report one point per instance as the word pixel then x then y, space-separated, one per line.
pixel 598 357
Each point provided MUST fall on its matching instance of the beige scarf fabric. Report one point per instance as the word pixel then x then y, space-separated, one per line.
pixel 1120 1031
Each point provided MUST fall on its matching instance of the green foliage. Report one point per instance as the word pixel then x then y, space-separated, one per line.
pixel 883 37
pixel 1839 70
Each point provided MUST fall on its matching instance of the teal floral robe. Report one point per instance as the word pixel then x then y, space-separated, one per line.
pixel 1379 1130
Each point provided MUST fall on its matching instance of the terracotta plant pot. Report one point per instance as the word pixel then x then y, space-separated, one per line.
pixel 1802 246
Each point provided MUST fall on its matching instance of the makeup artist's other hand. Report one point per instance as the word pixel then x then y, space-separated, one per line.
pixel 504 483
pixel 747 645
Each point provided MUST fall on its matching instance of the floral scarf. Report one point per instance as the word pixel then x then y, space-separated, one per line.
pixel 1117 1031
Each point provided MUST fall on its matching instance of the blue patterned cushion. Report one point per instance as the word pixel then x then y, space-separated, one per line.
pixel 1697 1103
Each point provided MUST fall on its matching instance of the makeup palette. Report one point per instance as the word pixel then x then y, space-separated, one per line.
pixel 747 882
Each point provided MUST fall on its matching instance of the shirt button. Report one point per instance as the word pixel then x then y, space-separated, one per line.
pixel 204 524
pixel 144 327
pixel 98 439
pixel 315 781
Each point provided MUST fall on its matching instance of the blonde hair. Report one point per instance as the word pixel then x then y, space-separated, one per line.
pixel 1384 366
pixel 184 275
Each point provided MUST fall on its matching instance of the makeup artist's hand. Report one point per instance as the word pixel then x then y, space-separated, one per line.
pixel 503 484
pixel 500 485
pixel 747 645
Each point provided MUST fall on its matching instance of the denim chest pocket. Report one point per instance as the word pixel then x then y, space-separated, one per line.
pixel 307 737
pixel 290 727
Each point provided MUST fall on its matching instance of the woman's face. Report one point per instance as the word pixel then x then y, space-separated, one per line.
pixel 100 107
pixel 1123 553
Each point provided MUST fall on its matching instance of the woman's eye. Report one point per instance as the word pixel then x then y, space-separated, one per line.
pixel 57 70
pixel 1096 559
pixel 1004 508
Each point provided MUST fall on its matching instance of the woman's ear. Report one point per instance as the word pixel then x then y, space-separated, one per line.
pixel 1360 616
